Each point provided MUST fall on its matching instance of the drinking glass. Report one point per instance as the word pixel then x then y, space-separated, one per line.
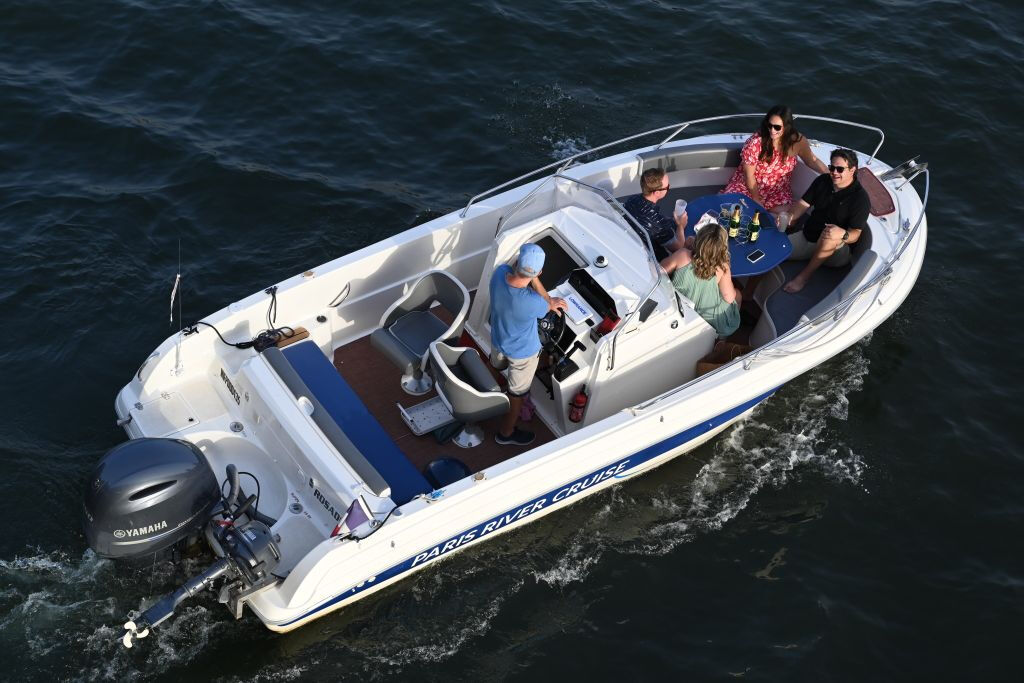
pixel 680 208
pixel 783 221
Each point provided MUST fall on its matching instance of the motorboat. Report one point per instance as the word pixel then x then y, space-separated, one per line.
pixel 332 434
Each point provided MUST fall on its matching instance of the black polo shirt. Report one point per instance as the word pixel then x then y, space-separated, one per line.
pixel 848 208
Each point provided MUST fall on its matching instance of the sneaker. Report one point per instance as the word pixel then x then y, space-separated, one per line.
pixel 518 437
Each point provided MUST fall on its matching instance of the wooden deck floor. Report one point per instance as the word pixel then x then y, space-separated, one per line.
pixel 376 381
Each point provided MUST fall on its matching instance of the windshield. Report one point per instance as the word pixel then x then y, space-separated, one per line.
pixel 559 192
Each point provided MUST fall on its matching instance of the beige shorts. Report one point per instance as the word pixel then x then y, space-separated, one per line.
pixel 518 371
pixel 804 250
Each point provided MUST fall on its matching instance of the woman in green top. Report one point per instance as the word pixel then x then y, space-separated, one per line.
pixel 703 276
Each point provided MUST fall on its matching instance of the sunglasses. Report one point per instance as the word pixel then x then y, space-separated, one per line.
pixel 838 169
pixel 775 126
pixel 664 189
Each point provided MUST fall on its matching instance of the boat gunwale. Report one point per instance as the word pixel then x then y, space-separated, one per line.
pixel 564 163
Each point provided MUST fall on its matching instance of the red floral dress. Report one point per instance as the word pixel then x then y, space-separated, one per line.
pixel 772 176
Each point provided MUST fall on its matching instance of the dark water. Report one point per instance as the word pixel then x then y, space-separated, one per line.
pixel 864 525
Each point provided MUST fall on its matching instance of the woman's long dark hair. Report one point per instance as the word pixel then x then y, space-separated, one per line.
pixel 790 135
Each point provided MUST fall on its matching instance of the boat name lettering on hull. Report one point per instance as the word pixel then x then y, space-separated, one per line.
pixel 231 387
pixel 508 518
pixel 320 498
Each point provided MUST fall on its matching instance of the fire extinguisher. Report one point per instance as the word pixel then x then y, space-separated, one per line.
pixel 578 406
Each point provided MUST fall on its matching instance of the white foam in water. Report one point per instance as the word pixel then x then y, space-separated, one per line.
pixel 754 453
pixel 288 673
pixel 567 146
pixel 573 566
pixel 57 607
pixel 444 637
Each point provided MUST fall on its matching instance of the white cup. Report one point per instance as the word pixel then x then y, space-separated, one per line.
pixel 680 208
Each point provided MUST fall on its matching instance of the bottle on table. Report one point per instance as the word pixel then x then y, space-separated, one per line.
pixel 734 223
pixel 755 226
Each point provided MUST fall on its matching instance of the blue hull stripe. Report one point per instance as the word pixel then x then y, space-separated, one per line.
pixel 617 469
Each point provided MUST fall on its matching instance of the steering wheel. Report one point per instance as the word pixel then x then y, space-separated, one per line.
pixel 551 328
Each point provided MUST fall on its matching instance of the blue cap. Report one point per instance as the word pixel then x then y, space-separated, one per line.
pixel 531 260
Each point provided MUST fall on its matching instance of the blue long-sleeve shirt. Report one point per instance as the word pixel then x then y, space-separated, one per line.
pixel 661 228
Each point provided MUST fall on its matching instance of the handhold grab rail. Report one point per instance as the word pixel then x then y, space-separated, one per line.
pixel 677 128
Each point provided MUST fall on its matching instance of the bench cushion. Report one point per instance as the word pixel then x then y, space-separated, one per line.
pixel 342 403
pixel 786 309
pixel 881 200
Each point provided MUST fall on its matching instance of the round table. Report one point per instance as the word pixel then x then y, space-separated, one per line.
pixel 774 244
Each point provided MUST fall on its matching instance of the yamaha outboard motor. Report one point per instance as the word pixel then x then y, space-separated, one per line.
pixel 147 495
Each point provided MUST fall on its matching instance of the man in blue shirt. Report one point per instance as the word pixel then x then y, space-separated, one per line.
pixel 666 234
pixel 518 300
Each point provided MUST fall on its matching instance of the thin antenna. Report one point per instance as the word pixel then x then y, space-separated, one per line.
pixel 177 279
pixel 174 291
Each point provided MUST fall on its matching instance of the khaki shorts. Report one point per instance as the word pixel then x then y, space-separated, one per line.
pixel 804 250
pixel 518 371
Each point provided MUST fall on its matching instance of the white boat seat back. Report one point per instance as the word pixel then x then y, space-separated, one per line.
pixel 465 385
pixel 408 327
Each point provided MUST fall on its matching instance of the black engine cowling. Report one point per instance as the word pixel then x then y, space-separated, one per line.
pixel 145 495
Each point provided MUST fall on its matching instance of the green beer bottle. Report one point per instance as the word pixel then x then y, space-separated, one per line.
pixel 755 226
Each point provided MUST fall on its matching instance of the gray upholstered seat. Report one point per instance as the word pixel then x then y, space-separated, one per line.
pixel 408 327
pixel 467 389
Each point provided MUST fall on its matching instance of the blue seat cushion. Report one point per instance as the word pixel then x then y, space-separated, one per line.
pixel 344 406
pixel 786 309
pixel 416 330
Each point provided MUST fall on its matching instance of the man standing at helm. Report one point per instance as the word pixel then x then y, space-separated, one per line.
pixel 518 301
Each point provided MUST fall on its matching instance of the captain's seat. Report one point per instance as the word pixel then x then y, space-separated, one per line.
pixel 467 389
pixel 408 327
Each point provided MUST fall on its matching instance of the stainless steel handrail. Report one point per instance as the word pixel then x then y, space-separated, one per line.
pixel 560 164
pixel 639 234
pixel 679 127
pixel 880 132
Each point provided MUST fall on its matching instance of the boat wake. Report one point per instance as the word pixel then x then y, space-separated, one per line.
pixel 59 609
pixel 785 439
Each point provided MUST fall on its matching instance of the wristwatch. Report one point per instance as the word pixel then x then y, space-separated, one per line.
pixel 846 233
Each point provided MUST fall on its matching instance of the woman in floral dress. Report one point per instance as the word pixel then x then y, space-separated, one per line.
pixel 768 159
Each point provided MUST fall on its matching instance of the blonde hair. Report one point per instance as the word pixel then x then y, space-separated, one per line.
pixel 710 251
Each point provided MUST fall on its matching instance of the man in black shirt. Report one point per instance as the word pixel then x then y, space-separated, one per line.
pixel 666 233
pixel 841 208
